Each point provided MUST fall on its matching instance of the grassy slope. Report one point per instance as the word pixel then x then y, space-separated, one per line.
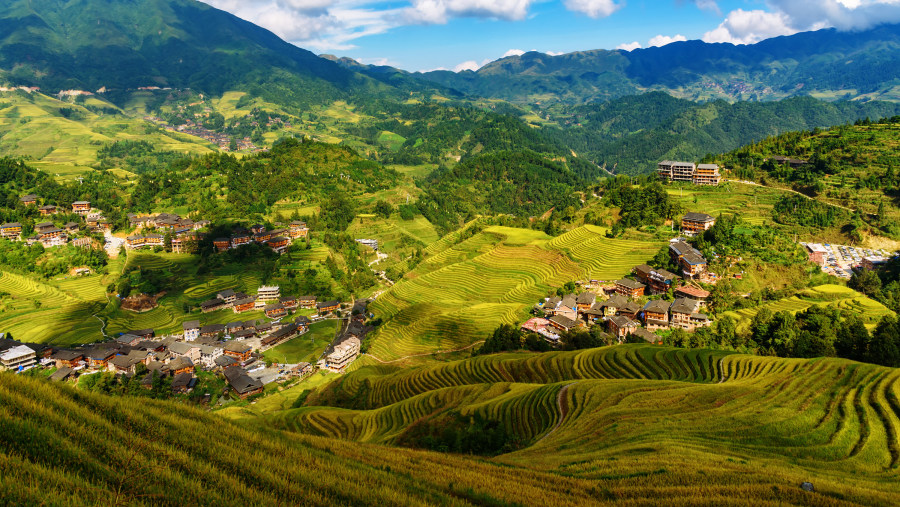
pixel 463 290
pixel 31 125
pixel 306 348
pixel 737 427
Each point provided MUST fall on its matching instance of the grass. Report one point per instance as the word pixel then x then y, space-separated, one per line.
pixel 463 290
pixel 752 203
pixel 691 422
pixel 835 296
pixel 306 348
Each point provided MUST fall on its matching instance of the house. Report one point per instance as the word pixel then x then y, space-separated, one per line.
pixel 306 302
pixel 656 314
pixel 71 227
pixel 562 323
pixel 629 288
pixel 208 354
pixel 585 301
pixel 191 330
pixel 268 293
pixel 707 174
pixel 290 303
pixel 630 309
pixel 275 311
pixel 696 223
pixel 81 207
pixel 692 265
pixel 128 339
pixel 145 334
pixel 185 349
pixel 213 305
pixel 67 358
pixel 343 354
pixel 154 240
pixel 181 364
pixel 657 280
pixel 244 305
pixel 873 262
pixel 682 309
pixel 647 336
pixel 612 305
pixel 244 385
pixel 63 374
pixel 17 358
pixel 234 327
pixel 11 230
pixel 693 293
pixel 228 295
pixel 29 200
pixel 99 358
pixel 123 365
pixel 222 244
pixel 621 326
pixel 282 335
pixel 676 171
pixel 298 229
pixel 793 162
pixel 279 244
pixel 327 307
pixel 48 210
pixel 212 330
pixel 240 239
pixel 258 228
pixel 816 253
pixel 225 361
pixel 262 237
pixel 540 326
pixel 238 350
pixel 597 311
pixel 183 382
pixel 302 322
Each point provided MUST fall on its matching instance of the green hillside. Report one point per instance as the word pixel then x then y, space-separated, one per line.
pixel 635 410
pixel 473 280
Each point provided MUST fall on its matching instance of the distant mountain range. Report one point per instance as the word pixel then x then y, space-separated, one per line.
pixel 827 64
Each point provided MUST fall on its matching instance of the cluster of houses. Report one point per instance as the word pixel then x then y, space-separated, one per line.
pixel 689 172
pixel 278 239
pixel 50 234
pixel 269 299
pixel 223 141
pixel 626 307
pixel 183 230
pixel 231 349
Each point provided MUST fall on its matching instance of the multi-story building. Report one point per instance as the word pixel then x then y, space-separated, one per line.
pixel 191 330
pixel 268 293
pixel 18 357
pixel 676 171
pixel 629 288
pixel 11 230
pixel 81 207
pixel 695 223
pixel 707 174
pixel 344 353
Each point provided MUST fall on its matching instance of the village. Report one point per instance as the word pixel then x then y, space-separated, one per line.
pixel 233 350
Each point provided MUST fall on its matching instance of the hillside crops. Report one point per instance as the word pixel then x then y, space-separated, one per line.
pixel 621 412
pixel 465 289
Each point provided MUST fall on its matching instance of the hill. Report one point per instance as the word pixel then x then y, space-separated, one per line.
pixel 636 410
pixel 824 63
pixel 92 44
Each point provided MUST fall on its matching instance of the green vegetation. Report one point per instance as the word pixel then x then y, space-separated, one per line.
pixel 306 348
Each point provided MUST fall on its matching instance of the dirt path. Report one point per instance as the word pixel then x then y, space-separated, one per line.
pixel 424 354
pixel 563 411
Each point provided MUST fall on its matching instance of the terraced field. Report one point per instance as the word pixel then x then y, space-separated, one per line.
pixel 696 420
pixel 753 203
pixel 834 296
pixel 464 289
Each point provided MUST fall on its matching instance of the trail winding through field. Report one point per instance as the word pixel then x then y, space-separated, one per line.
pixel 563 411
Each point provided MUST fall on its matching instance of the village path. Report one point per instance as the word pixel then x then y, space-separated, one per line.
pixel 753 183
pixel 423 354
pixel 563 411
pixel 113 244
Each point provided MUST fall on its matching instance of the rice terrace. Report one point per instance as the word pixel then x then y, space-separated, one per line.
pixel 654 260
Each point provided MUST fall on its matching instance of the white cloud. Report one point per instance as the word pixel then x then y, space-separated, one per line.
pixel 440 11
pixel 629 46
pixel 708 5
pixel 785 17
pixel 467 65
pixel 513 52
pixel 594 8
pixel 555 53
pixel 662 40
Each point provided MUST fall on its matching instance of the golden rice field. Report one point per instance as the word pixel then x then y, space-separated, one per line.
pixel 463 290
pixel 699 425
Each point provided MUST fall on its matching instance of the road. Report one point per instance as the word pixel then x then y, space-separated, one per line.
pixel 113 244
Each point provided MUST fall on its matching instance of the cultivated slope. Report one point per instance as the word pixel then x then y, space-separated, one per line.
pixel 735 424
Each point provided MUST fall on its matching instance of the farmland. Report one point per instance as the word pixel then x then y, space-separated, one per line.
pixel 306 348
pixel 687 417
pixel 834 296
pixel 464 289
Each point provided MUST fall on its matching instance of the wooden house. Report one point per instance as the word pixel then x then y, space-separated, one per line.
pixel 275 311
pixel 621 326
pixel 693 293
pixel 279 244
pixel 244 305
pixel 81 207
pixel 222 244
pixel 289 303
pixel 244 385
pixel 327 307
pixel 28 200
pixel 11 230
pixel 696 223
pixel 47 210
pixel 213 305
pixel 67 358
pixel 212 330
pixel 562 323
pixel 99 358
pixel 238 350
pixel 306 302
pixel 181 364
pixel 585 301
pixel 656 314
pixel 682 309
pixel 629 288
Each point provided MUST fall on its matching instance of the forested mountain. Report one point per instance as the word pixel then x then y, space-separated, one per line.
pixel 90 44
pixel 630 135
pixel 827 62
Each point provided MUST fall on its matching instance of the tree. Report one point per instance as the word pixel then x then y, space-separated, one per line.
pixel 505 338
pixel 852 339
pixel 865 281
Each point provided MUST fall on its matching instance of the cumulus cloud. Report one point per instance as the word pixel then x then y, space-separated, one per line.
pixel 629 46
pixel 440 11
pixel 513 52
pixel 786 17
pixel 662 40
pixel 593 8
pixel 470 65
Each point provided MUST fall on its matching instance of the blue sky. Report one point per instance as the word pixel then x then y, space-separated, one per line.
pixel 465 34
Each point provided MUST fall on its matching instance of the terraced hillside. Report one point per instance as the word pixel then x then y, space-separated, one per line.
pixel 466 288
pixel 833 296
pixel 700 422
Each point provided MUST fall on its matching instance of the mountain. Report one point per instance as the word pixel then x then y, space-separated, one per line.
pixel 827 63
pixel 90 44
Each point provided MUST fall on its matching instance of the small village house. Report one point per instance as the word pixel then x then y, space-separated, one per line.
pixel 306 302
pixel 242 383
pixel 656 314
pixel 707 174
pixel 563 324
pixel 693 293
pixel 275 311
pixel 29 200
pixel 238 350
pixel 244 304
pixel 191 330
pixel 81 207
pixel 629 288
pixel 67 358
pixel 621 326
pixel 327 307
pixel 11 230
pixel 696 223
